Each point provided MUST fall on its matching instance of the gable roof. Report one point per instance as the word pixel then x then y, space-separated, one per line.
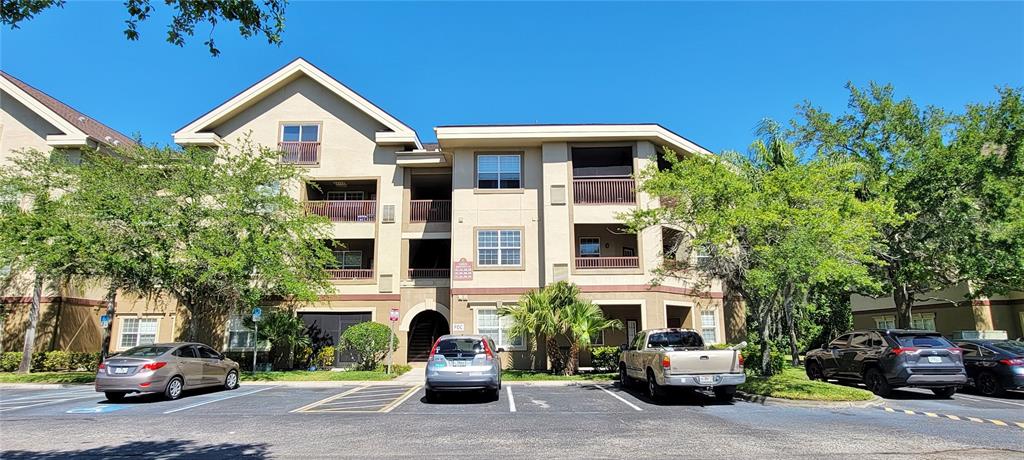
pixel 195 132
pixel 456 135
pixel 77 127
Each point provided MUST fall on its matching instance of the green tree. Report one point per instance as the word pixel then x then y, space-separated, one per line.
pixel 955 180
pixel 285 332
pixel 253 18
pixel 581 321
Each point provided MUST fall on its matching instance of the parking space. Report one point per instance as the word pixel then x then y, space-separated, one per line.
pixel 964 406
pixel 366 398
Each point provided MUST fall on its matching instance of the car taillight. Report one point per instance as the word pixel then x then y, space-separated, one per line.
pixel 433 349
pixel 666 362
pixel 1012 362
pixel 900 350
pixel 103 366
pixel 740 358
pixel 487 350
pixel 955 351
pixel 153 366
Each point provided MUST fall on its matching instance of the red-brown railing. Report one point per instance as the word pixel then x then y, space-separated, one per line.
pixel 428 273
pixel 300 153
pixel 604 191
pixel 430 211
pixel 350 273
pixel 344 211
pixel 607 262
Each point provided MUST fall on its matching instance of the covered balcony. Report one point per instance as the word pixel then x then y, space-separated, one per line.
pixel 300 144
pixel 605 246
pixel 343 200
pixel 603 175
pixel 430 198
pixel 353 260
pixel 429 259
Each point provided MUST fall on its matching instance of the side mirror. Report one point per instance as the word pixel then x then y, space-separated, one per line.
pixel 501 350
pixel 623 347
pixel 741 345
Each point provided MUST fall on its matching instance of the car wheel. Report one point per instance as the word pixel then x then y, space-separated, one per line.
pixel 114 396
pixel 174 388
pixel 624 380
pixel 653 389
pixel 231 381
pixel 944 392
pixel 988 385
pixel 877 383
pixel 814 371
pixel 725 394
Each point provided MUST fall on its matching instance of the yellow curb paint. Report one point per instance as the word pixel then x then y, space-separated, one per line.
pixel 327 400
pixel 1020 424
pixel 952 417
pixel 931 414
pixel 975 419
pixel 889 409
pixel 909 412
pixel 998 422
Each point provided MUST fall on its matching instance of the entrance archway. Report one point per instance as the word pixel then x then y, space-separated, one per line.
pixel 424 330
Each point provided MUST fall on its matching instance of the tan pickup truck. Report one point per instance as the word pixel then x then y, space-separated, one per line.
pixel 664 358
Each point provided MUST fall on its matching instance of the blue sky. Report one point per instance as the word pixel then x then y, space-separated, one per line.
pixel 708 71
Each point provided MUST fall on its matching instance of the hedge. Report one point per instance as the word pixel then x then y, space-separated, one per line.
pixel 52 361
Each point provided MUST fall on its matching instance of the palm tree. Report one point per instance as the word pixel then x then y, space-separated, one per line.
pixel 526 316
pixel 580 321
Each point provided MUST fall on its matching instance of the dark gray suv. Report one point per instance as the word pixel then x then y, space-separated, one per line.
pixel 887 359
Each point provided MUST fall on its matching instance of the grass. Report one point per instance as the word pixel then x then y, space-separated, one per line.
pixel 525 376
pixel 792 383
pixel 48 377
pixel 323 376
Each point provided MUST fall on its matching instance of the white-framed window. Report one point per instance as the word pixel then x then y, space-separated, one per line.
pixel 923 321
pixel 590 246
pixel 885 322
pixel 496 327
pixel 300 133
pixel 348 259
pixel 499 171
pixel 498 247
pixel 709 326
pixel 345 195
pixel 239 336
pixel 137 331
pixel 597 340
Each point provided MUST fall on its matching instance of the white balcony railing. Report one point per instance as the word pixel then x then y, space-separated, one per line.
pixel 604 190
pixel 344 211
pixel 300 153
pixel 585 263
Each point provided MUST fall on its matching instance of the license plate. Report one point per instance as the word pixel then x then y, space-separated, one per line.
pixel 705 379
pixel 121 370
pixel 460 363
pixel 934 359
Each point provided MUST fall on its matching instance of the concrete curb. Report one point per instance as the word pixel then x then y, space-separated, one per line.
pixel 770 401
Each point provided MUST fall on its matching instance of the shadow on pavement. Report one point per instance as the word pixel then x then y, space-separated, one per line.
pixel 672 396
pixel 152 449
pixel 147 398
pixel 460 397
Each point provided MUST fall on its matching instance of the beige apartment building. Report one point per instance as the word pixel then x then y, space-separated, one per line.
pixel 948 311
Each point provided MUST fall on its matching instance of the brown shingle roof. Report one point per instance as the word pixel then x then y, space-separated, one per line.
pixel 92 128
pixel 430 145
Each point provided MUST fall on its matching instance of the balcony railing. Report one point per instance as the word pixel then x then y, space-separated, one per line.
pixel 583 263
pixel 428 273
pixel 350 273
pixel 430 211
pixel 604 190
pixel 344 211
pixel 300 153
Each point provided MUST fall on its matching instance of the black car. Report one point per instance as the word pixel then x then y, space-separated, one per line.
pixel 887 359
pixel 994 366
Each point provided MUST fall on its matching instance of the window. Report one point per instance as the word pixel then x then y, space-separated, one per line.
pixel 860 341
pixel 675 339
pixel 923 321
pixel 496 327
pixel 628 252
pixel 208 353
pixel 348 259
pixel 137 331
pixel 345 195
pixel 300 133
pixel 923 341
pixel 597 339
pixel 239 336
pixel 709 326
pixel 840 342
pixel 498 247
pixel 970 350
pixel 498 171
pixel 590 247
pixel 885 322
pixel 187 351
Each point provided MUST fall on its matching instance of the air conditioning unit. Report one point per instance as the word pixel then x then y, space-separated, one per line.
pixel 388 214
pixel 979 335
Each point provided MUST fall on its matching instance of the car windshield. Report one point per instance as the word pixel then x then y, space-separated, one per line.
pixel 675 339
pixel 1013 347
pixel 146 351
pixel 923 341
pixel 456 346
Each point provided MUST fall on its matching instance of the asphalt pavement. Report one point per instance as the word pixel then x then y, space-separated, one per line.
pixel 603 421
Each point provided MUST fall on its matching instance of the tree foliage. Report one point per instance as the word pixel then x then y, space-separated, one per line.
pixel 369 341
pixel 253 18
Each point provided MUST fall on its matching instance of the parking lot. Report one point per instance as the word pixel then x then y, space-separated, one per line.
pixel 278 420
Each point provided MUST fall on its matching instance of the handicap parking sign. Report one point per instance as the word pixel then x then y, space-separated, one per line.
pixel 257 313
pixel 98 409
pixel 104 321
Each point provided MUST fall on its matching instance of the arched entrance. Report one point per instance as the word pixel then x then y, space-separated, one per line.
pixel 424 330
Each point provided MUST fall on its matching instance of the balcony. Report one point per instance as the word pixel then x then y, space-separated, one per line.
pixel 300 153
pixel 337 274
pixel 619 190
pixel 585 263
pixel 353 259
pixel 344 210
pixel 430 210
pixel 428 273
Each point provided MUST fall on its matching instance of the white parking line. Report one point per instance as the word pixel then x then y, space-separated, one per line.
pixel 44 402
pixel 511 400
pixel 190 406
pixel 57 395
pixel 620 398
pixel 976 399
pixel 401 400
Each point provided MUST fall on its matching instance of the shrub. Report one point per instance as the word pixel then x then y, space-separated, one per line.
pixel 752 359
pixel 302 356
pixel 56 360
pixel 369 342
pixel 9 361
pixel 324 358
pixel 605 358
pixel 83 361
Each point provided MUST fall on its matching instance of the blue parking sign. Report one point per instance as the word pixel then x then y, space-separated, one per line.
pixel 257 313
pixel 104 321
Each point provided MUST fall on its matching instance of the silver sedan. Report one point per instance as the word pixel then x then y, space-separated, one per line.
pixel 167 368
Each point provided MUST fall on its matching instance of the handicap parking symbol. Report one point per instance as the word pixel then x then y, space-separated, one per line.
pixel 100 409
